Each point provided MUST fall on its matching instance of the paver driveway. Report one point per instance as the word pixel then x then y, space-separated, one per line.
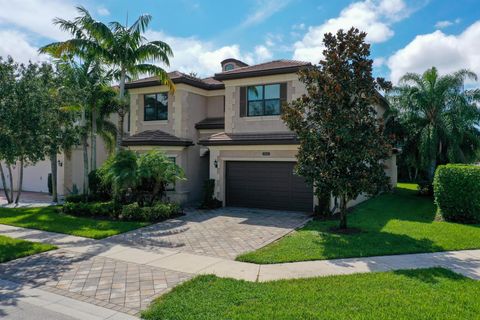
pixel 127 280
pixel 225 232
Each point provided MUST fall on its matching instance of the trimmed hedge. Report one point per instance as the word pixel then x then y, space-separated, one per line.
pixel 158 212
pixel 91 209
pixel 130 212
pixel 457 192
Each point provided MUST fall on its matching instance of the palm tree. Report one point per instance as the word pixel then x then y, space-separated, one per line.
pixel 124 48
pixel 440 117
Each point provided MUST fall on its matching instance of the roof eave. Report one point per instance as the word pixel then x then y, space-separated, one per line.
pixel 248 142
pixel 257 73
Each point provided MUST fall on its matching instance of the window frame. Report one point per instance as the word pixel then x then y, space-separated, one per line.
pixel 229 67
pixel 264 100
pixel 156 106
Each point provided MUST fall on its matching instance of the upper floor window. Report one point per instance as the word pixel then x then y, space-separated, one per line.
pixel 229 66
pixel 263 100
pixel 156 106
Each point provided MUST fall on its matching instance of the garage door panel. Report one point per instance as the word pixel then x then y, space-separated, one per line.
pixel 269 185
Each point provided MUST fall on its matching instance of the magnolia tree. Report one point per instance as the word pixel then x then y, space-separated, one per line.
pixel 342 144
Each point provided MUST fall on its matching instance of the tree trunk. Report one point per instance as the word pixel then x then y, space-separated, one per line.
pixel 121 120
pixel 4 183
pixel 431 170
pixel 343 212
pixel 93 164
pixel 121 112
pixel 53 163
pixel 123 76
pixel 9 167
pixel 20 182
pixel 85 164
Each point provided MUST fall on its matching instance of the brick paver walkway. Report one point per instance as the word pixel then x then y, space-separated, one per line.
pixel 225 232
pixel 118 285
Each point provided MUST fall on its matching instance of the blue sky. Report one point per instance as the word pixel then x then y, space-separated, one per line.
pixel 406 35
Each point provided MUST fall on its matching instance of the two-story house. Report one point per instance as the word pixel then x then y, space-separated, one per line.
pixel 228 128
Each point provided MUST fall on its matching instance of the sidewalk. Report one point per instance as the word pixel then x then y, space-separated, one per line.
pixel 466 262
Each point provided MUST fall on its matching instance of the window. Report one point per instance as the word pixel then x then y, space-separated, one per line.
pixel 229 67
pixel 263 100
pixel 156 106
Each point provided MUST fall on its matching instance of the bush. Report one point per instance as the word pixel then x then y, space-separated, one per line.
pixel 157 212
pixel 457 192
pixel 99 190
pixel 91 209
pixel 209 202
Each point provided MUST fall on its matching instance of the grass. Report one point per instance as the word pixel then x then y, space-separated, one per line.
pixel 15 248
pixel 51 219
pixel 415 294
pixel 395 223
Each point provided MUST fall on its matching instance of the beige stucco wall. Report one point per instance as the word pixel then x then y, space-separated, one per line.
pixel 235 124
pixel 215 106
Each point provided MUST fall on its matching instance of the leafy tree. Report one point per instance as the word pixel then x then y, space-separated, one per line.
pixel 23 119
pixel 8 70
pixel 122 47
pixel 438 118
pixel 342 144
pixel 60 132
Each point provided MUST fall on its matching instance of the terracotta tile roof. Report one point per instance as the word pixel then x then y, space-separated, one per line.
pixel 265 138
pixel 211 123
pixel 267 68
pixel 178 77
pixel 155 138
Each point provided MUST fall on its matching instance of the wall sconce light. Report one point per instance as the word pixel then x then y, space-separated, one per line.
pixel 60 163
pixel 215 164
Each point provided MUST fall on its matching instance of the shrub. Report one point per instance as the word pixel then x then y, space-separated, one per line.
pixel 209 202
pixel 99 190
pixel 157 212
pixel 457 192
pixel 91 209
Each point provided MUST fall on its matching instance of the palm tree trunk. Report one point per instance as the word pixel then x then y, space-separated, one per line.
pixel 9 167
pixel 121 113
pixel 4 183
pixel 343 212
pixel 85 163
pixel 123 76
pixel 20 182
pixel 93 163
pixel 431 170
pixel 53 164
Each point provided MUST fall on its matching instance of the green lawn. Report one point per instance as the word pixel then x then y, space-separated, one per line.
pixel 51 219
pixel 15 248
pixel 395 223
pixel 415 294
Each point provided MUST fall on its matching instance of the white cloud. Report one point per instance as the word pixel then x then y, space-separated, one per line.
pixel 103 11
pixel 36 16
pixel 263 53
pixel 378 62
pixel 299 26
pixel 263 10
pixel 372 16
pixel 202 57
pixel 448 53
pixel 446 23
pixel 14 43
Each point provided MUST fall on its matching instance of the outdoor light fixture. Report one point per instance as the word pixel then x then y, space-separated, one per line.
pixel 215 164
pixel 60 163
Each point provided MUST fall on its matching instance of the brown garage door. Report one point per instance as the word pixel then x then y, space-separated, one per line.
pixel 268 185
